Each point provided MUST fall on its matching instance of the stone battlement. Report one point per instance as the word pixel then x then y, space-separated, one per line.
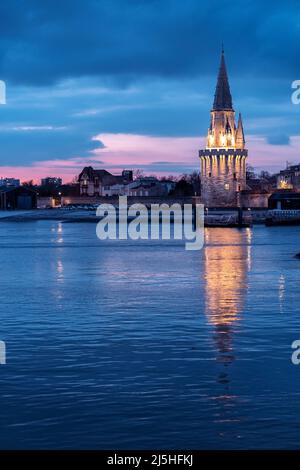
pixel 220 152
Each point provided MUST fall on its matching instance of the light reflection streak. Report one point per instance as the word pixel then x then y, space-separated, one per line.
pixel 227 260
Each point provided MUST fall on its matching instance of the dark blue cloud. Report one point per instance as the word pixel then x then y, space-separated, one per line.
pixel 77 68
pixel 125 40
pixel 280 139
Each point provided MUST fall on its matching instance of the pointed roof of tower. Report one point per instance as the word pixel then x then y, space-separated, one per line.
pixel 223 100
pixel 240 138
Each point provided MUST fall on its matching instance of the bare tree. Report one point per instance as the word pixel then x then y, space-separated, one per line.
pixel 28 183
pixel 250 173
pixel 138 173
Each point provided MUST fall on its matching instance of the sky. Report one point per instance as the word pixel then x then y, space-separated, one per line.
pixel 129 83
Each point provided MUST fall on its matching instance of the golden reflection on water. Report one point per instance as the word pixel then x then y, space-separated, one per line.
pixel 227 259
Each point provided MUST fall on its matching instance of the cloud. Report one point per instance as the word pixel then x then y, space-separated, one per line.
pixel 280 139
pixel 160 155
pixel 125 40
pixel 263 155
pixel 33 128
pixel 80 68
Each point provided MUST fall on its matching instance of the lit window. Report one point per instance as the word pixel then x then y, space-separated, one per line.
pixel 227 187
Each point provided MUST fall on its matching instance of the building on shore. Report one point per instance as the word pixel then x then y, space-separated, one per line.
pixel 257 193
pixel 51 181
pixel 92 182
pixel 254 198
pixel 285 200
pixel 149 186
pixel 289 178
pixel 9 183
pixel 102 183
pixel 223 161
pixel 44 202
pixel 21 198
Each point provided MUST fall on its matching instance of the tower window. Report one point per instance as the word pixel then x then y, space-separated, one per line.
pixel 209 174
pixel 234 176
pixel 226 187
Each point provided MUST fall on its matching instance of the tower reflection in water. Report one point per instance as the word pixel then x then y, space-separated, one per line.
pixel 227 259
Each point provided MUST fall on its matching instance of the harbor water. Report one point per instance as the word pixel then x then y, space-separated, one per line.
pixel 144 345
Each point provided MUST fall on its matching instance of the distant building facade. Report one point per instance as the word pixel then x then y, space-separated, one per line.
pixel 285 200
pixel 21 198
pixel 51 181
pixel 92 182
pixel 95 183
pixel 223 161
pixel 143 186
pixel 257 193
pixel 114 190
pixel 44 202
pixel 9 183
pixel 254 199
pixel 289 178
pixel 149 186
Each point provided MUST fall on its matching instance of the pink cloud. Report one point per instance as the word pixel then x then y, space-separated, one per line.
pixel 273 157
pixel 130 149
pixel 169 154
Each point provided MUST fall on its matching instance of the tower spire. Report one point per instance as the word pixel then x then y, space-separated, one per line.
pixel 223 100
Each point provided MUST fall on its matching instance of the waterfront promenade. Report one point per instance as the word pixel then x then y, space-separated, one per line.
pixel 78 214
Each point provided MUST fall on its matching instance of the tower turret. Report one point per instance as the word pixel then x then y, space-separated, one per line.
pixel 239 135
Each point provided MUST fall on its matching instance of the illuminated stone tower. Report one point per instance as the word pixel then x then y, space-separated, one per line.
pixel 223 162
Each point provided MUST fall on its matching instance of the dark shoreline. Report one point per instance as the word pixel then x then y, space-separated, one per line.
pixel 215 218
